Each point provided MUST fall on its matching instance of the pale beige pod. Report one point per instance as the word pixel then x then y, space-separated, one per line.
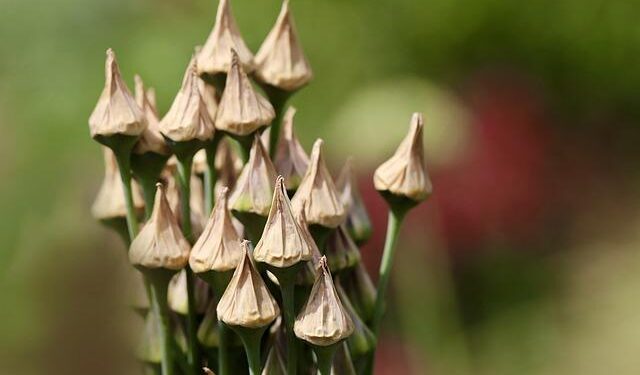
pixel 357 221
pixel 283 244
pixel 404 173
pixel 218 248
pixel 317 194
pixel 280 62
pixel 215 55
pixel 291 161
pixel 323 320
pixel 116 112
pixel 188 118
pixel 160 243
pixel 242 110
pixel 150 140
pixel 247 302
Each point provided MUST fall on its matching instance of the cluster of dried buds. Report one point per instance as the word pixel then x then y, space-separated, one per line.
pixel 215 175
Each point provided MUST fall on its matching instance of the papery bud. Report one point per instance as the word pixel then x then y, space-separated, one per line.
pixel 196 202
pixel 323 320
pixel 274 364
pixel 116 112
pixel 291 160
pixel 215 56
pixel 188 118
pixel 403 176
pixel 247 302
pixel 109 204
pixel 360 289
pixel 254 188
pixel 280 62
pixel 160 244
pixel 342 362
pixel 362 341
pixel 150 140
pixel 341 251
pixel 317 193
pixel 242 110
pixel 177 294
pixel 218 248
pixel 228 165
pixel 282 244
pixel 357 222
pixel 209 97
pixel 199 165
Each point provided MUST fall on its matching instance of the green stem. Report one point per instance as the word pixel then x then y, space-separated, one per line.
pixel 160 305
pixel 184 182
pixel 288 292
pixel 324 355
pixel 278 106
pixel 224 359
pixel 210 176
pixel 149 195
pixel 251 339
pixel 124 165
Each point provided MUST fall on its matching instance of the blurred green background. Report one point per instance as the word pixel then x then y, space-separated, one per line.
pixel 524 262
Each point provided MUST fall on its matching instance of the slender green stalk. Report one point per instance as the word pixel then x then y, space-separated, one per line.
pixel 288 292
pixel 224 354
pixel 149 195
pixel 161 307
pixel 210 177
pixel 324 355
pixel 278 99
pixel 184 182
pixel 251 339
pixel 124 165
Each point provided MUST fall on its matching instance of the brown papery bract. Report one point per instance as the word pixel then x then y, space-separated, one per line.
pixel 160 243
pixel 150 140
pixel 116 111
pixel 247 302
pixel 404 173
pixel 291 160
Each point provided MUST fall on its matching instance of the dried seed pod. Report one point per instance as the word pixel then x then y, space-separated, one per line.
pixel 282 244
pixel 254 188
pixel 360 289
pixel 150 140
pixel 160 244
pixel 199 162
pixel 116 112
pixel 177 294
pixel 403 176
pixel 341 251
pixel 188 118
pixel 109 204
pixel 323 320
pixel 209 97
pixel 247 302
pixel 215 56
pixel 317 194
pixel 291 160
pixel 228 165
pixel 274 364
pixel 280 62
pixel 362 341
pixel 242 110
pixel 357 222
pixel 218 248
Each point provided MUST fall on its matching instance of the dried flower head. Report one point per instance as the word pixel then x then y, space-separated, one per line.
pixel 404 175
pixel 160 243
pixel 283 244
pixel 280 62
pixel 274 364
pixel 291 160
pixel 218 248
pixel 317 194
pixel 178 298
pixel 254 188
pixel 341 251
pixel 116 111
pixel 242 110
pixel 150 140
pixel 109 203
pixel 215 56
pixel 323 320
pixel 188 118
pixel 247 302
pixel 357 222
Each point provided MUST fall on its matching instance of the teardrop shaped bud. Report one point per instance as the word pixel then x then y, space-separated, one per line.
pixel 323 320
pixel 403 176
pixel 188 119
pixel 274 364
pixel 160 244
pixel 215 56
pixel 361 291
pixel 199 165
pixel 177 294
pixel 282 244
pixel 109 203
pixel 116 112
pixel 317 193
pixel 357 222
pixel 247 302
pixel 254 189
pixel 341 251
pixel 362 341
pixel 242 110
pixel 291 160
pixel 150 140
pixel 218 248
pixel 280 62
pixel 228 165
pixel 342 362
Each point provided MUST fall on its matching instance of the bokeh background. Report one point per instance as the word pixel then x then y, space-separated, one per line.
pixel 523 262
